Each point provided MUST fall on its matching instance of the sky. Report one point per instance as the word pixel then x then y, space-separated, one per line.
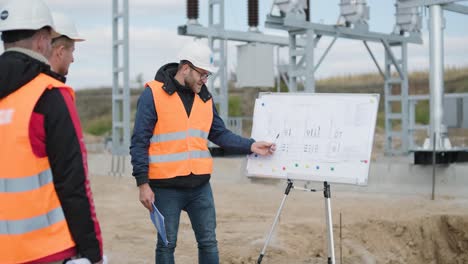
pixel 154 40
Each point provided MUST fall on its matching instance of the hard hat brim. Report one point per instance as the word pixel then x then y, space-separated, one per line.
pixel 209 68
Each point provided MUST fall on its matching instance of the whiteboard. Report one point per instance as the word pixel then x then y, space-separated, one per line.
pixel 318 137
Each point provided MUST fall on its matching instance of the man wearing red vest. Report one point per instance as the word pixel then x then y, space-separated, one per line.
pixel 171 162
pixel 46 207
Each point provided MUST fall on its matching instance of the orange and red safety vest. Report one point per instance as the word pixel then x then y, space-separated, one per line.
pixel 179 145
pixel 32 222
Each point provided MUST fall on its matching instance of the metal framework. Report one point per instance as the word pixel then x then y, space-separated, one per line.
pixel 120 86
pixel 302 40
pixel 437 136
pixel 396 99
pixel 218 36
pixel 437 131
pixel 218 46
pixel 458 98
pixel 395 73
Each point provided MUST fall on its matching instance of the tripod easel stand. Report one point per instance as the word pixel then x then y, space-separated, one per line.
pixel 327 196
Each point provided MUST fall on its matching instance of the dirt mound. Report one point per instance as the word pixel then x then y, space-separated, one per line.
pixel 431 239
pixel 439 239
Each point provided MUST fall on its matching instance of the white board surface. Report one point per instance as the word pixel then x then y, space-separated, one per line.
pixel 319 137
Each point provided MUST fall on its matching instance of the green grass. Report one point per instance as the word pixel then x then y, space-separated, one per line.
pixel 422 112
pixel 235 107
pixel 100 126
pixel 380 119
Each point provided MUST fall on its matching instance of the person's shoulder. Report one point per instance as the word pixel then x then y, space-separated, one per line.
pixel 51 95
pixel 55 94
pixel 147 92
pixel 52 100
pixel 146 98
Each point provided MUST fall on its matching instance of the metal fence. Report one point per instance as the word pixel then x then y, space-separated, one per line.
pixel 455 114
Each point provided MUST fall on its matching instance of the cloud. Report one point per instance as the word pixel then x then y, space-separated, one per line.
pixel 150 48
pixel 457 45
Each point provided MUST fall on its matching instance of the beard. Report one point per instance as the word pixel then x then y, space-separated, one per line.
pixel 192 84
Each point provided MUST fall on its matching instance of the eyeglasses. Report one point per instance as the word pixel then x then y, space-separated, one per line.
pixel 203 76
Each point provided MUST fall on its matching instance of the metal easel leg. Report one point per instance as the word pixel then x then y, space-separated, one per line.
pixel 286 192
pixel 331 247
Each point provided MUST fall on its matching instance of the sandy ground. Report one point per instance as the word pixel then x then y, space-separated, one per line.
pixel 375 228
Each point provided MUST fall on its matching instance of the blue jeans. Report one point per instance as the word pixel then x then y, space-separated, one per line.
pixel 199 205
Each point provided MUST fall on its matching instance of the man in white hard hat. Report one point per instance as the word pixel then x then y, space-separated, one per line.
pixel 63 46
pixel 47 211
pixel 172 165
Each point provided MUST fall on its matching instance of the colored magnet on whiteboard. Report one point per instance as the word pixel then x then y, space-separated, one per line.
pixel 256 155
pixel 307 166
pixel 263 104
pixel 284 168
pixel 297 165
pixel 318 167
pixel 332 168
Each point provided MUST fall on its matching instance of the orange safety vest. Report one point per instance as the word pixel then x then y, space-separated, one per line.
pixel 179 145
pixel 32 223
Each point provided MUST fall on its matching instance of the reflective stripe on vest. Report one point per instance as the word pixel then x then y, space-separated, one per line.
pixel 25 184
pixel 32 222
pixel 17 227
pixel 179 145
pixel 178 135
pixel 179 156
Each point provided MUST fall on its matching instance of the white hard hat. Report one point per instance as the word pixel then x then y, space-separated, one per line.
pixel 25 15
pixel 199 54
pixel 65 26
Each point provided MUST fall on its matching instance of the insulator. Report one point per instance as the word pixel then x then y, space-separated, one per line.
pixel 253 13
pixel 192 9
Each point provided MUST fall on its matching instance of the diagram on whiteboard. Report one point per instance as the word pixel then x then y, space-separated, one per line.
pixel 318 137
